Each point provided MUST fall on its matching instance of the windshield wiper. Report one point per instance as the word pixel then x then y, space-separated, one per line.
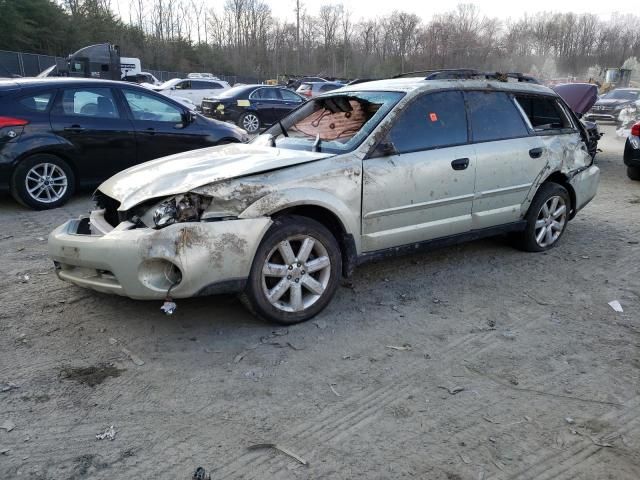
pixel 316 144
pixel 284 132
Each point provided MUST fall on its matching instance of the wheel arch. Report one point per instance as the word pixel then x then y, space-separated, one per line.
pixel 311 204
pixel 562 180
pixel 54 153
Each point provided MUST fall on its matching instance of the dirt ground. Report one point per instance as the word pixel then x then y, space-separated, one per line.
pixel 550 371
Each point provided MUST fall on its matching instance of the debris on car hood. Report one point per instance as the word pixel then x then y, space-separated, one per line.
pixel 579 96
pixel 185 171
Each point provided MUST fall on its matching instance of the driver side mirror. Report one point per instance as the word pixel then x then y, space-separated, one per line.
pixel 188 118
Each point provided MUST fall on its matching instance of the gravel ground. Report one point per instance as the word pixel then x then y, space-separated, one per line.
pixel 549 372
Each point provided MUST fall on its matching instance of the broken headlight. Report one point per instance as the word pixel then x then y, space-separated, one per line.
pixel 181 208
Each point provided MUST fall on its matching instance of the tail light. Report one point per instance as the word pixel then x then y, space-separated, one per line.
pixel 12 122
pixel 307 93
pixel 635 130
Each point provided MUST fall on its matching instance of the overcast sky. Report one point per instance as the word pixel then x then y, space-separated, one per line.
pixel 495 8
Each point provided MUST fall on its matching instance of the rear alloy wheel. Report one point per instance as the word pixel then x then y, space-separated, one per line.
pixel 295 271
pixel 250 122
pixel 42 181
pixel 547 218
pixel 633 173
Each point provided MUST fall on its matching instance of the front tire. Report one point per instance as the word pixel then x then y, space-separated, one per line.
pixel 547 219
pixel 295 271
pixel 633 173
pixel 42 181
pixel 250 122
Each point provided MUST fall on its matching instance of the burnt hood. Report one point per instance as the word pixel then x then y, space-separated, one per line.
pixel 580 97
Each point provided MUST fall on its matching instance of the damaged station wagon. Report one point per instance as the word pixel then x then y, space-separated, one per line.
pixel 369 170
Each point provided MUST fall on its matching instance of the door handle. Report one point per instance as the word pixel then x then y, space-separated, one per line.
pixel 535 152
pixel 74 129
pixel 460 164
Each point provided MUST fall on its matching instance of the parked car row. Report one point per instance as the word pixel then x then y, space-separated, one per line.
pixel 60 134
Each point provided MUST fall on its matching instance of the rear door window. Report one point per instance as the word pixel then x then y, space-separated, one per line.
pixel 201 85
pixel 89 102
pixel 544 113
pixel 38 102
pixel 434 120
pixel 289 96
pixel 494 116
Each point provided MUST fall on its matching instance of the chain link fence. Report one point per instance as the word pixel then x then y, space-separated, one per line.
pixel 30 64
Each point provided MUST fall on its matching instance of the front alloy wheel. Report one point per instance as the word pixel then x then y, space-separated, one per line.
pixel 295 271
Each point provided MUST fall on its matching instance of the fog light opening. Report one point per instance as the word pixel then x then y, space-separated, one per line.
pixel 159 274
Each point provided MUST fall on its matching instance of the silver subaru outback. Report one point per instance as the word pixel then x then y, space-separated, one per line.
pixel 364 171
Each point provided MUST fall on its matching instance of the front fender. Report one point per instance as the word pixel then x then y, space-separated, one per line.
pixel 294 197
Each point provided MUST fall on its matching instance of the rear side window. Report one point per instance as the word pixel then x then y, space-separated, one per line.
pixel 494 116
pixel 544 113
pixel 89 102
pixel 328 88
pixel 289 96
pixel 200 85
pixel 38 102
pixel 266 94
pixel 434 120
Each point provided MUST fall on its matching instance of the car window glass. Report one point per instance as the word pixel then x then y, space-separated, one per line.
pixel 430 121
pixel 148 107
pixel 268 94
pixel 38 102
pixel 544 113
pixel 89 102
pixel 186 85
pixel 289 96
pixel 494 116
pixel 328 88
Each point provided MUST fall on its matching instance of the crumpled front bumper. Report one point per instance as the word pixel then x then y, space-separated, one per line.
pixel 143 263
pixel 585 185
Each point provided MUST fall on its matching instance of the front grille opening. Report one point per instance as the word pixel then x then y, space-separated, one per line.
pixel 110 208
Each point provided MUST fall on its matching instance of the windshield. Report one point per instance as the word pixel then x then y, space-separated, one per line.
pixel 332 124
pixel 622 95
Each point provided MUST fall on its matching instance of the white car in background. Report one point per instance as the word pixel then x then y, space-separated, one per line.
pixel 193 90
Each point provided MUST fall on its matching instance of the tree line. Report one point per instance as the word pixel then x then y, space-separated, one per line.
pixel 245 38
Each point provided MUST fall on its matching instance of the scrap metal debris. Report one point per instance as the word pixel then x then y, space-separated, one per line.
pixel 201 474
pixel 109 433
pixel 168 307
pixel 465 459
pixel 405 347
pixel 615 304
pixel 8 425
pixel 334 390
pixel 134 358
pixel 5 387
pixel 452 391
pixel 238 358
pixel 284 450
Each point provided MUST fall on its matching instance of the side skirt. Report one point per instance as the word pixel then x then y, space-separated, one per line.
pixel 441 242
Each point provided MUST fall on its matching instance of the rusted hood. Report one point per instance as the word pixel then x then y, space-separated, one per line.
pixel 185 171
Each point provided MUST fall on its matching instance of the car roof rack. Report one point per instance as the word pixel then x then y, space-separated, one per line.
pixel 468 74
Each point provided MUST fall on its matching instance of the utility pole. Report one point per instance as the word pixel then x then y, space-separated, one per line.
pixel 298 36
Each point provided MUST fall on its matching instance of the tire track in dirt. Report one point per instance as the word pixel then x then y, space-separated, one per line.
pixel 553 463
pixel 337 430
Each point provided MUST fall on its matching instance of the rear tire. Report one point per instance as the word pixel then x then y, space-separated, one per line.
pixel 295 271
pixel 547 219
pixel 42 181
pixel 633 173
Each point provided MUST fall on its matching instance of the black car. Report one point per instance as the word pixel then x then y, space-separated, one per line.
pixel 632 153
pixel 610 104
pixel 252 106
pixel 58 134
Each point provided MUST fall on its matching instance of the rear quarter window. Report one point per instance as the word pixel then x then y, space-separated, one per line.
pixel 494 116
pixel 38 102
pixel 544 113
